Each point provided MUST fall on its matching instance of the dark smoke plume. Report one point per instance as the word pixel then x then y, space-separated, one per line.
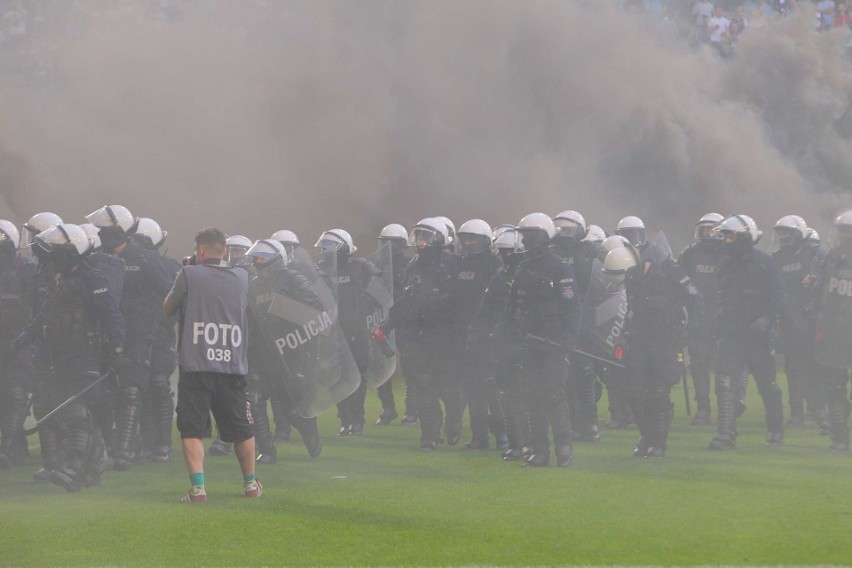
pixel 310 115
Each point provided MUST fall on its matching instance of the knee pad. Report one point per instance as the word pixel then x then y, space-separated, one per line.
pixel 724 384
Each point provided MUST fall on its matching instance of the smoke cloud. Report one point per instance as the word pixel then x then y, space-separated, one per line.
pixel 311 115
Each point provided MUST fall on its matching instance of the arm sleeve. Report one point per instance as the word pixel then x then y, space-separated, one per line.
pixel 176 296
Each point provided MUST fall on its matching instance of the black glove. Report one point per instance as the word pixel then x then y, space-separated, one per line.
pixel 759 326
pixel 118 360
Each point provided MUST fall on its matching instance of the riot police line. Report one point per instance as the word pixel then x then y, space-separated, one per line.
pixel 522 325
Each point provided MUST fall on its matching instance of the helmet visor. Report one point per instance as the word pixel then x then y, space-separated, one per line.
pixel 530 238
pixel 785 237
pixel 263 250
pixel 706 231
pixel 329 242
pixel 53 239
pixel 569 229
pixel 468 243
pixel 422 237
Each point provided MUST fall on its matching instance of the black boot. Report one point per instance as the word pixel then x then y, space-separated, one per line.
pixel 163 409
pixel 283 428
pixel 13 424
pixel 307 427
pixel 267 453
pixel 128 423
pixel 726 437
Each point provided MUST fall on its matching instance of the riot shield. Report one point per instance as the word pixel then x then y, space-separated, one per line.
pixel 300 339
pixel 833 336
pixel 604 316
pixel 376 307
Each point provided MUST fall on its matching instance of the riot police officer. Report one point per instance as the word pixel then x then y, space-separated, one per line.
pixel 146 282
pixel 158 403
pixel 397 237
pixel 544 314
pixel 269 271
pixel 660 300
pixel 700 261
pixel 421 318
pixel 633 229
pixel 350 278
pixel 16 303
pixel 795 254
pixel 474 271
pixel 570 245
pixel 832 278
pixel 751 297
pixel 80 314
pixel 509 404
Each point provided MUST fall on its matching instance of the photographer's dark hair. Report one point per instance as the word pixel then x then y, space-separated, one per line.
pixel 211 239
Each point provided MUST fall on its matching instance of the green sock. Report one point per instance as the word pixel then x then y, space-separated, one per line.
pixel 197 479
pixel 248 478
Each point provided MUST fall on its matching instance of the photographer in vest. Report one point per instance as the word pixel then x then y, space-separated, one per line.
pixel 212 297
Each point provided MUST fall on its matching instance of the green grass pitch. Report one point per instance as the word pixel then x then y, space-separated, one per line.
pixel 379 500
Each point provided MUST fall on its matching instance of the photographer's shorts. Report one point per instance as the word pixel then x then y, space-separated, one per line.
pixel 224 395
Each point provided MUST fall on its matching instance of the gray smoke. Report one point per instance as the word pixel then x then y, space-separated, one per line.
pixel 309 115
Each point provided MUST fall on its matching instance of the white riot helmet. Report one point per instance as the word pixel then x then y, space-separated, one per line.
pixel 393 231
pixel 64 238
pixel 267 250
pixel 500 229
pixel 112 215
pixel 535 230
pixel 571 225
pixel 285 237
pixel 429 232
pixel 473 236
pixel 813 235
pixel 739 228
pixel 704 228
pixel 595 234
pixel 9 234
pixel 337 240
pixel 613 242
pixel 451 230
pixel 149 230
pixel 789 231
pixel 92 232
pixel 633 229
pixel 618 261
pixel 843 229
pixel 38 223
pixel 506 240
pixel 236 247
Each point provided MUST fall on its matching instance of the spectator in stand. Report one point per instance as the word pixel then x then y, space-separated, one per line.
pixel 826 10
pixel 718 27
pixel 702 11
pixel 759 13
pixel 738 23
pixel 841 17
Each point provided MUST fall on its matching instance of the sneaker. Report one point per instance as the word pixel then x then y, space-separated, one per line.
pixel 408 420
pixel 194 496
pixel 475 445
pixel 344 430
pixel 253 488
pixel 356 430
pixel 655 453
